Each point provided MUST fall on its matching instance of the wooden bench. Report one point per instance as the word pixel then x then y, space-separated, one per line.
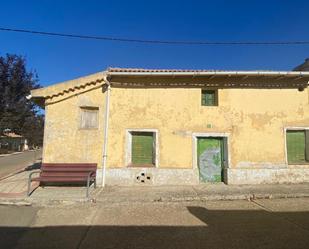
pixel 63 173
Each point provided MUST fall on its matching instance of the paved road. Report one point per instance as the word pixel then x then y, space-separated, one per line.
pixel 281 223
pixel 9 164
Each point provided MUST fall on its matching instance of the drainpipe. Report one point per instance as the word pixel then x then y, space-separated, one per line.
pixel 106 117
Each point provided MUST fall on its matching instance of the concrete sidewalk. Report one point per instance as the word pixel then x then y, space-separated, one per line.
pixel 203 192
pixel 11 164
pixel 68 195
pixel 15 186
pixel 13 190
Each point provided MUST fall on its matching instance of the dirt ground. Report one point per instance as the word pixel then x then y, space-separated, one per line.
pixel 280 223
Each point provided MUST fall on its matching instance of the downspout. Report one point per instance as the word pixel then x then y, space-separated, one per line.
pixel 106 118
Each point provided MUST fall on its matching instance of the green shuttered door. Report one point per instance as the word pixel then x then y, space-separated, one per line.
pixel 142 148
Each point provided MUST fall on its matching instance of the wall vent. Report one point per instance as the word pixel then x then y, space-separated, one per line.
pixel 143 178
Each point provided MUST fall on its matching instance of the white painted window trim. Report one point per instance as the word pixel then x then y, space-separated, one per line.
pixel 291 128
pixel 128 144
pixel 209 134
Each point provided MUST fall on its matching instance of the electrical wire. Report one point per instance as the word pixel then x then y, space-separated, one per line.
pixel 170 42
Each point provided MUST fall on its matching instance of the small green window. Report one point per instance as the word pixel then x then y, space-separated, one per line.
pixel 297 142
pixel 209 98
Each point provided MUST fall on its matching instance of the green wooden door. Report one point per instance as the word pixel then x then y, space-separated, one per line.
pixel 142 148
pixel 210 157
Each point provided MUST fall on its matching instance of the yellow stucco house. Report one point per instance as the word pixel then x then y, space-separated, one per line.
pixel 172 127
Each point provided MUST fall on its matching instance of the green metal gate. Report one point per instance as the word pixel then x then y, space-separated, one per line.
pixel 210 156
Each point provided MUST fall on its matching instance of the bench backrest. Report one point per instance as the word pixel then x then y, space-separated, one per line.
pixel 67 169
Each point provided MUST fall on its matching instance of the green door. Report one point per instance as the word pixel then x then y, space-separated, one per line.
pixel 142 148
pixel 210 159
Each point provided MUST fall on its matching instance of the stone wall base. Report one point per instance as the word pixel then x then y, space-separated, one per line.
pixel 149 176
pixel 159 176
pixel 267 175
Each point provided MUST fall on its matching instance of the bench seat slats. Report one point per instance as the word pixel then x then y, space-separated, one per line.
pixel 72 170
pixel 65 173
pixel 60 179
pixel 76 174
pixel 69 165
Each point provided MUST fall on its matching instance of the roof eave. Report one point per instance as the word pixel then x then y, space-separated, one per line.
pixel 69 85
pixel 213 73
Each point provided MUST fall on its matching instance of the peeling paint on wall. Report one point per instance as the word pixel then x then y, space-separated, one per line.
pixel 255 119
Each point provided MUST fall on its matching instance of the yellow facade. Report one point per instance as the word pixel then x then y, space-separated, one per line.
pixel 254 119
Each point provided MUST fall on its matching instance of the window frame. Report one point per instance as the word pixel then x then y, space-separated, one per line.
pixel 216 97
pixel 286 129
pixel 128 148
pixel 88 109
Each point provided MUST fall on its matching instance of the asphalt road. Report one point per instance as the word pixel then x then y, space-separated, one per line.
pixel 12 163
pixel 281 223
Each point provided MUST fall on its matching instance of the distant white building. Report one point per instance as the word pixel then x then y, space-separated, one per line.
pixel 11 141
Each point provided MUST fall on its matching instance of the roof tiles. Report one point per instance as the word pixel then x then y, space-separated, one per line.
pixel 143 70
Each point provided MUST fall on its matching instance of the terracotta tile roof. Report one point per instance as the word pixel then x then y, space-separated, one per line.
pixel 97 80
pixel 143 70
pixel 11 134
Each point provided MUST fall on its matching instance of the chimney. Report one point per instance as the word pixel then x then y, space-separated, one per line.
pixel 303 67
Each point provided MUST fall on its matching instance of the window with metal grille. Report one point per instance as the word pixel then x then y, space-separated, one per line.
pixel 143 148
pixel 89 118
pixel 209 97
pixel 297 142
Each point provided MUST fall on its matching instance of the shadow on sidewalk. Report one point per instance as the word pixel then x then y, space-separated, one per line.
pixel 33 166
pixel 222 229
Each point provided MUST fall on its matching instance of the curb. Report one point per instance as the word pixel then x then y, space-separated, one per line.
pixel 206 198
pixel 12 154
pixel 17 153
pixel 237 197
pixel 17 203
pixel 49 202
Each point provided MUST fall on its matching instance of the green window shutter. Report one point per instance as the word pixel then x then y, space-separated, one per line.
pixel 209 98
pixel 307 145
pixel 142 148
pixel 296 146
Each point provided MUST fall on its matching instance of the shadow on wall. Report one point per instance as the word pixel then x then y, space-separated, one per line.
pixel 222 229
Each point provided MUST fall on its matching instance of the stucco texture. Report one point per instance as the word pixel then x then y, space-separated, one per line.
pixel 64 140
pixel 253 118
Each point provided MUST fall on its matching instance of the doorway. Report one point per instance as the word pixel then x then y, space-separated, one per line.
pixel 211 158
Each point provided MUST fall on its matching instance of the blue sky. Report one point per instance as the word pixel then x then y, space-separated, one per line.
pixel 58 59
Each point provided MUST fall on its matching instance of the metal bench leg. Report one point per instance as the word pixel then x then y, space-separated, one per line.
pixel 29 182
pixel 29 185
